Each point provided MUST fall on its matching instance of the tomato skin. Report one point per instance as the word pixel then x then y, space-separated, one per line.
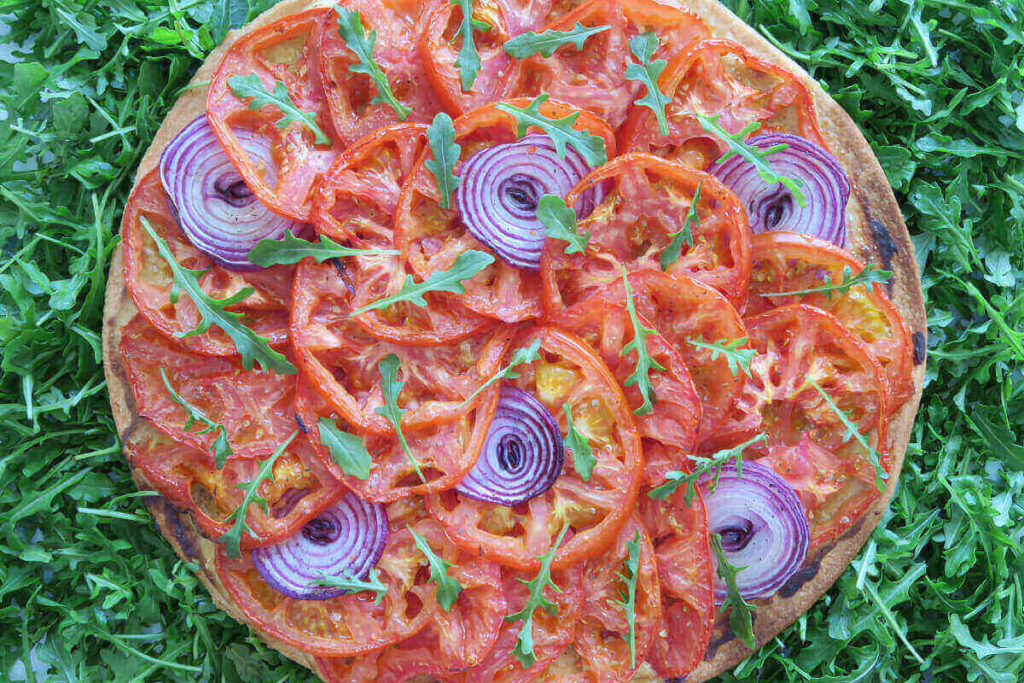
pixel 416 655
pixel 266 52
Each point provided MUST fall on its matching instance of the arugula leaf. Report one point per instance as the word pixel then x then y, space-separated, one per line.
pixel 670 254
pixel 559 223
pixel 348 450
pixel 391 388
pixel 853 432
pixel 293 249
pixel 740 620
pixel 233 537
pixel 628 594
pixel 591 147
pixel 737 358
pixel 524 354
pixel 466 265
pixel 244 87
pixel 738 146
pixel 865 277
pixel 250 345
pixel 441 136
pixel 468 61
pixel 644 361
pixel 448 587
pixel 583 455
pixel 643 47
pixel 372 584
pixel 523 650
pixel 546 42
pixel 351 30
pixel 711 465
pixel 220 449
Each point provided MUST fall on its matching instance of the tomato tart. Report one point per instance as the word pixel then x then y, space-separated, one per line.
pixel 507 340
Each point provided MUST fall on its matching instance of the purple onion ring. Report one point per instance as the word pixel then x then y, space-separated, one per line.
pixel 763 525
pixel 346 540
pixel 215 209
pixel 773 207
pixel 522 454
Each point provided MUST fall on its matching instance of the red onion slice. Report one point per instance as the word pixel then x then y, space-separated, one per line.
pixel 763 525
pixel 522 454
pixel 346 540
pixel 773 207
pixel 499 190
pixel 215 209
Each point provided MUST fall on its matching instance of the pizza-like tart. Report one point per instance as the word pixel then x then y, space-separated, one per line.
pixel 510 340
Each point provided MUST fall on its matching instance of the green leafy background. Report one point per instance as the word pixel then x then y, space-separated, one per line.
pixel 89 593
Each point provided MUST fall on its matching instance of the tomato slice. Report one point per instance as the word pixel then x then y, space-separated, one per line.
pixel 789 261
pixel 405 660
pixel 594 78
pixel 602 635
pixel 669 431
pixel 284 51
pixel 533 15
pixel 149 279
pixel 647 200
pixel 686 575
pixel 431 237
pixel 398 26
pixel 568 372
pixel 718 77
pixel 255 408
pixel 352 624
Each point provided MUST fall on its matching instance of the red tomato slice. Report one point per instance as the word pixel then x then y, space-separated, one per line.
pixel 533 15
pixel 789 261
pixel 669 431
pixel 149 279
pixel 405 660
pixel 431 237
pixel 602 635
pixel 647 200
pixel 717 77
pixel 568 372
pixel 255 408
pixel 284 51
pixel 398 26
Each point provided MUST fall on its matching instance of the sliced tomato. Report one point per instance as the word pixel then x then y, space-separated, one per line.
pixel 594 78
pixel 533 15
pixel 808 443
pixel 789 261
pixel 405 660
pixel 646 202
pixel 431 238
pixel 718 77
pixel 285 52
pixel 255 408
pixel 352 624
pixel 669 431
pixel 349 95
pixel 568 372
pixel 602 638
pixel 149 278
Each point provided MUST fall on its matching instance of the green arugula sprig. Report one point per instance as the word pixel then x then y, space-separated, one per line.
pixel 244 87
pixel 644 361
pixel 220 449
pixel 347 450
pixel 372 584
pixel 737 358
pixel 352 31
pixel 391 388
pixel 866 277
pixel 559 223
pixel 546 42
pixel 627 594
pixel 468 61
pixel 670 254
pixel 523 650
pixel 524 354
pixel 466 265
pixel 292 249
pixel 448 587
pixel 582 453
pixel 643 47
pixel 441 138
pixel 591 147
pixel 232 539
pixel 738 146
pixel 704 466
pixel 251 346
pixel 740 618
pixel 853 432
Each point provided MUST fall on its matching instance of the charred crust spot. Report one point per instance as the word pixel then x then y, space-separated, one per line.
pixel 807 572
pixel 855 527
pixel 920 347
pixel 715 643
pixel 178 529
pixel 302 425
pixel 884 241
pixel 343 274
